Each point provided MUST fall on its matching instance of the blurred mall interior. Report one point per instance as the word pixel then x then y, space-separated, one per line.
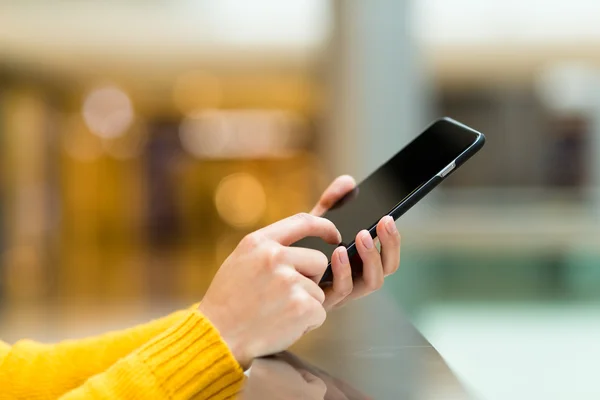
pixel 140 141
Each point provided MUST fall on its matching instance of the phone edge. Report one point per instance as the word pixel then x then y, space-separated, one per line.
pixel 421 192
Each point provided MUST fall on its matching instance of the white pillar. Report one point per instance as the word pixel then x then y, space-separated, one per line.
pixel 378 101
pixel 377 91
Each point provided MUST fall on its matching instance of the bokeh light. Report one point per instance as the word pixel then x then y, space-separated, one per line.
pixel 108 112
pixel 205 134
pixel 241 200
pixel 243 133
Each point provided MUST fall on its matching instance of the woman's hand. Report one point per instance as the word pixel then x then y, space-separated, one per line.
pixel 376 264
pixel 262 300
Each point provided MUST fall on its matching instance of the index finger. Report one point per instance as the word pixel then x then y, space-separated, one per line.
pixel 299 226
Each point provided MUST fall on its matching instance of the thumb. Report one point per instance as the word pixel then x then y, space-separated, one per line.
pixel 341 186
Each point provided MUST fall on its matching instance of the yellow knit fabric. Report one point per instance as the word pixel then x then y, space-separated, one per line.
pixel 181 356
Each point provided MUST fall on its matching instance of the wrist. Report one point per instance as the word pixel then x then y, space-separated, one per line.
pixel 236 345
pixel 239 352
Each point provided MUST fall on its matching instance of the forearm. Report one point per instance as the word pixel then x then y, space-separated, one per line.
pixel 188 360
pixel 64 366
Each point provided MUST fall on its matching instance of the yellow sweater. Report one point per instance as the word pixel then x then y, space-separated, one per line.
pixel 181 356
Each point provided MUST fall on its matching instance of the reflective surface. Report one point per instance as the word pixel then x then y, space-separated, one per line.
pixel 367 350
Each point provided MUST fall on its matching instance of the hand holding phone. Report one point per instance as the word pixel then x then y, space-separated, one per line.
pixel 393 189
pixel 261 300
pixel 376 265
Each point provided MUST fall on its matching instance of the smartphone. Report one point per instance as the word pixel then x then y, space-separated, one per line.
pixel 398 185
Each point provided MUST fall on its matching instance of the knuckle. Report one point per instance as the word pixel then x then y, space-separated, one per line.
pixel 345 291
pixel 345 284
pixel 320 296
pixel 374 284
pixel 323 260
pixel 286 277
pixel 304 218
pixel 252 240
pixel 321 316
pixel 270 254
pixel 298 306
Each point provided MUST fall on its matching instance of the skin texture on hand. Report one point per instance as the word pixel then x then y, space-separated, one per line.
pixel 376 264
pixel 265 296
pixel 261 300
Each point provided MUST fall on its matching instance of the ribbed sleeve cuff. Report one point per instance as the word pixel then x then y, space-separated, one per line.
pixel 191 359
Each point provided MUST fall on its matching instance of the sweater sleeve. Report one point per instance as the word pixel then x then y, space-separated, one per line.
pixel 38 371
pixel 189 360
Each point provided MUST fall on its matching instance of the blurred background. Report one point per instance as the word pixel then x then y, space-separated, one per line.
pixel 140 141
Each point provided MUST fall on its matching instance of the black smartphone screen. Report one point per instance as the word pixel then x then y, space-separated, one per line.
pixel 391 184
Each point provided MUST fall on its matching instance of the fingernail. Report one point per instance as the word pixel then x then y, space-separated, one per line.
pixel 390 226
pixel 367 240
pixel 343 256
pixel 339 237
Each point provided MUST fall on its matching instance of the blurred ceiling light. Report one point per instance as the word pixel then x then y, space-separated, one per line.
pixel 108 112
pixel 243 133
pixel 240 200
pixel 127 146
pixel 197 90
pixel 78 142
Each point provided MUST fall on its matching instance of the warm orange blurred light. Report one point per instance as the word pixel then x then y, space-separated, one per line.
pixel 241 200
